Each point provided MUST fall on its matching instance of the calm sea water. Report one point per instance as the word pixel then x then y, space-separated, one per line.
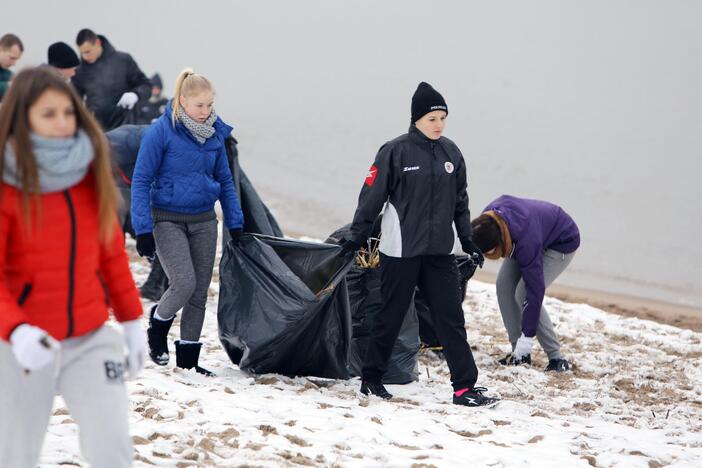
pixel 596 106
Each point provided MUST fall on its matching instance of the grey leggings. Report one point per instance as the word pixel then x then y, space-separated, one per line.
pixel 187 253
pixel 511 293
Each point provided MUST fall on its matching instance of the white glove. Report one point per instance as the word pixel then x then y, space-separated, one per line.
pixel 135 341
pixel 523 347
pixel 33 347
pixel 128 100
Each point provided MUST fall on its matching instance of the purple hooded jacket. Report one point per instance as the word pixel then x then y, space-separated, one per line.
pixel 535 226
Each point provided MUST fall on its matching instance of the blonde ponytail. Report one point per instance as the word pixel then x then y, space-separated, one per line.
pixel 187 84
pixel 176 94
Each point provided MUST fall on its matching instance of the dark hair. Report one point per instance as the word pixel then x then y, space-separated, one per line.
pixel 486 233
pixel 9 40
pixel 27 87
pixel 86 35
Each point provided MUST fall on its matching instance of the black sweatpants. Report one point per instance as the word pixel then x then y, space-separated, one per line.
pixel 437 277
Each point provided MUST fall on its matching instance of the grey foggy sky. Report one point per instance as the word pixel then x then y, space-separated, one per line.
pixel 592 105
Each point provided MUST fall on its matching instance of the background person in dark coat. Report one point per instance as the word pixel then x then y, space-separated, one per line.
pixel 155 106
pixel 537 240
pixel 110 81
pixel 11 50
pixel 420 179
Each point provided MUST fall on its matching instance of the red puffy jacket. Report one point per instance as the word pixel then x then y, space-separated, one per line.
pixel 58 276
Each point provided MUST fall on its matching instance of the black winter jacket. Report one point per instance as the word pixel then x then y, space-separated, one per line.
pixel 422 184
pixel 105 81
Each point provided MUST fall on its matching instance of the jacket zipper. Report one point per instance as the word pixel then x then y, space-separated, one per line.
pixel 431 200
pixel 26 289
pixel 71 262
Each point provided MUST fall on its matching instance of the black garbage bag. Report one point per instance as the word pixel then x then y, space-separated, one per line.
pixel 284 308
pixel 257 217
pixel 364 297
pixel 122 116
pixel 427 334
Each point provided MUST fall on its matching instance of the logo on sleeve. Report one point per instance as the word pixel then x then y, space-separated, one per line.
pixel 449 167
pixel 370 177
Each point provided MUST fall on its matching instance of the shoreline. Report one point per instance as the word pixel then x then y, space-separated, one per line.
pixel 629 306
pixel 677 315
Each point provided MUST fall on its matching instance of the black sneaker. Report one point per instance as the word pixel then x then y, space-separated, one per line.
pixel 510 361
pixel 474 397
pixel 377 389
pixel 558 365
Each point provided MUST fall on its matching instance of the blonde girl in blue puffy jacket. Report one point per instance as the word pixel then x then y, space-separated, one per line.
pixel 181 171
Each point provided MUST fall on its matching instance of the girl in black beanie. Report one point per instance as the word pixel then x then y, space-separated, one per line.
pixel 419 179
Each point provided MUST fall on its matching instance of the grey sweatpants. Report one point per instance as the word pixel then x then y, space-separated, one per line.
pixel 88 374
pixel 187 254
pixel 511 294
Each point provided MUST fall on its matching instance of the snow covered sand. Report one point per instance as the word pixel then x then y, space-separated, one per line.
pixel 634 399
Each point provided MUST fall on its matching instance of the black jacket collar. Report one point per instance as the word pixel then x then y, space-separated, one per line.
pixel 421 140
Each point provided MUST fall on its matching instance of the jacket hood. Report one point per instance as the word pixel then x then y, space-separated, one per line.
pixel 107 47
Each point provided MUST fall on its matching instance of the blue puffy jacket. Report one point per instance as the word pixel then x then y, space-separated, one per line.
pixel 176 173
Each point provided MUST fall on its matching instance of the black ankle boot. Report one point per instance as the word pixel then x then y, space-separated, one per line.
pixel 187 356
pixel 157 335
pixel 377 389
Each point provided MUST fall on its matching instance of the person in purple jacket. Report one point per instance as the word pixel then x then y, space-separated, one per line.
pixel 537 240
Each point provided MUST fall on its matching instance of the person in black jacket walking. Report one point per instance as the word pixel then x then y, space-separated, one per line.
pixel 420 180
pixel 111 81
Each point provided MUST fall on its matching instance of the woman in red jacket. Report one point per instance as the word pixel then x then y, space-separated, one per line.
pixel 63 267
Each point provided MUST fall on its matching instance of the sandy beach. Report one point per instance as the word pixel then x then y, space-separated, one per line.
pixel 628 306
pixel 632 400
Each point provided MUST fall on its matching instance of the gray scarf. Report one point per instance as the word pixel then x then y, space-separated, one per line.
pixel 201 131
pixel 62 162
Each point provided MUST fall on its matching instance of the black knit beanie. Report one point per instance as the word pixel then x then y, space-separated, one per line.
pixel 426 99
pixel 156 81
pixel 61 55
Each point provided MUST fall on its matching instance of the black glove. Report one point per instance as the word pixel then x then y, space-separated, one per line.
pixel 474 252
pixel 347 246
pixel 146 246
pixel 235 235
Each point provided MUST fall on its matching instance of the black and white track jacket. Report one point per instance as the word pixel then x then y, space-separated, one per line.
pixel 421 184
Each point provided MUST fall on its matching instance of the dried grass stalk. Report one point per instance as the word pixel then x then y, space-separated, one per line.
pixel 369 255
